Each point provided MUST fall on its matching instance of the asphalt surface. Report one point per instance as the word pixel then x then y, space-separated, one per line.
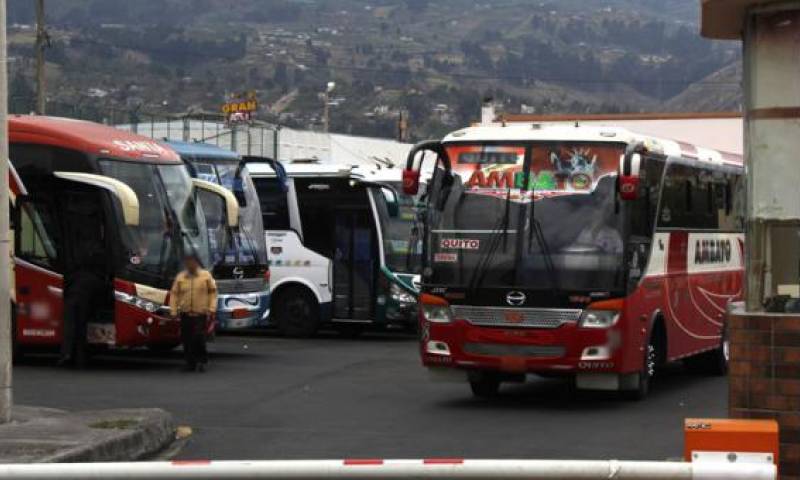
pixel 271 398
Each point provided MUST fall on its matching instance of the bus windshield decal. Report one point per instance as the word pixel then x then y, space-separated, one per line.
pixel 556 169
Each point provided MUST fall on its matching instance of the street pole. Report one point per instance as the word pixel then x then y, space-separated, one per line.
pixel 327 111
pixel 326 115
pixel 402 126
pixel 41 44
pixel 5 259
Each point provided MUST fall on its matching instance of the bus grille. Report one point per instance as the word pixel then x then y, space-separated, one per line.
pixel 515 317
pixel 504 350
pixel 246 285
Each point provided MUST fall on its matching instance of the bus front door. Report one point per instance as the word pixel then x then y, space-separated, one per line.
pixel 38 283
pixel 354 266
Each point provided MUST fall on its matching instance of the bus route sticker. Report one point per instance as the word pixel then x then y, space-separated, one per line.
pixel 445 257
pixel 460 244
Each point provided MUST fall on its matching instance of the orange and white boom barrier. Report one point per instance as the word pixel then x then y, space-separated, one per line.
pixel 432 469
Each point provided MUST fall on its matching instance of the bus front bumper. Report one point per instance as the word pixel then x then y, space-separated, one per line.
pixel 566 350
pixel 237 311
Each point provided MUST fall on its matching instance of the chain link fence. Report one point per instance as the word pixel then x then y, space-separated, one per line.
pixel 255 138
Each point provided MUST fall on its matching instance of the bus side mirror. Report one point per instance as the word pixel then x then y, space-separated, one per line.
pixel 410 181
pixel 629 179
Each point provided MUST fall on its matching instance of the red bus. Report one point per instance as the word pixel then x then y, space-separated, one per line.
pixel 77 185
pixel 588 252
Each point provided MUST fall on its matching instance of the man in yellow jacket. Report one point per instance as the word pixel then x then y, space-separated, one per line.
pixel 193 297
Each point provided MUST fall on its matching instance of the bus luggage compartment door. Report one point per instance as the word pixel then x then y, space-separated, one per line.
pixel 354 266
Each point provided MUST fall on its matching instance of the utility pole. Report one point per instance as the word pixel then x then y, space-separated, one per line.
pixel 326 113
pixel 42 42
pixel 402 126
pixel 5 259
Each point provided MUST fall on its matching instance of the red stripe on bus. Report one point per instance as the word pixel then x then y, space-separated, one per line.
pixel 363 461
pixel 443 461
pixel 676 252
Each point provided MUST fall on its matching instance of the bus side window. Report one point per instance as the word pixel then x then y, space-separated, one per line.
pixel 274 204
pixel 674 197
pixel 643 215
pixel 689 185
pixel 33 243
pixel 705 211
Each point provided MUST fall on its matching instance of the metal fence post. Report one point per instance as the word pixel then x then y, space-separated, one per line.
pixel 5 267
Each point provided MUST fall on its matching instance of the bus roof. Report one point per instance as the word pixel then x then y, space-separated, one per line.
pixel 202 150
pixel 88 137
pixel 559 132
pixel 303 170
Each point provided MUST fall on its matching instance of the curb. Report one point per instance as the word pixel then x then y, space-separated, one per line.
pixel 154 432
pixel 107 435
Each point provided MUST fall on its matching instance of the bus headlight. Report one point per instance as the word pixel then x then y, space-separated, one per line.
pixel 437 313
pixel 399 295
pixel 137 302
pixel 598 319
pixel 435 309
pixel 146 305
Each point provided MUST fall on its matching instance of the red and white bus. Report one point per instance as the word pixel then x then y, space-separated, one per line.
pixel 588 252
pixel 77 185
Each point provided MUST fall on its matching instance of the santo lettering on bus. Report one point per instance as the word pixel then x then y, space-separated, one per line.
pixel 141 146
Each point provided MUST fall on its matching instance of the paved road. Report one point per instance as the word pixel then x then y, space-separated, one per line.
pixel 270 398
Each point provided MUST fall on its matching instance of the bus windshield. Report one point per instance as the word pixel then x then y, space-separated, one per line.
pixel 247 245
pixel 171 222
pixel 401 234
pixel 538 216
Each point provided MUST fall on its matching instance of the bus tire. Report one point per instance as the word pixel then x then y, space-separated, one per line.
pixel 654 357
pixel 714 362
pixel 297 312
pixel 484 384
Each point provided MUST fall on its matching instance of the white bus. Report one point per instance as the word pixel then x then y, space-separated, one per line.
pixel 325 228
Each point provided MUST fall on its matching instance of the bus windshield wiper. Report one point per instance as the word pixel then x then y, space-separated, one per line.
pixel 499 234
pixel 535 228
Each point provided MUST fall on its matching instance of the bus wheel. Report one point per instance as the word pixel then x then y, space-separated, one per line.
pixel 714 362
pixel 297 312
pixel 484 385
pixel 652 360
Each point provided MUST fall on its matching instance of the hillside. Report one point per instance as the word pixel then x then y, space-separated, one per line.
pixel 433 59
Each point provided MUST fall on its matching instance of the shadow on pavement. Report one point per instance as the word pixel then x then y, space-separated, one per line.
pixel 558 394
pixel 327 335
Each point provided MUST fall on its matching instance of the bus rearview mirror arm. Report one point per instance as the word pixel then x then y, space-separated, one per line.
pixel 411 174
pixel 275 165
pixel 231 204
pixel 127 198
pixel 393 205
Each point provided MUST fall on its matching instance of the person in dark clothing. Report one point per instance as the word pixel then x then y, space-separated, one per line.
pixel 193 297
pixel 80 296
pixel 85 276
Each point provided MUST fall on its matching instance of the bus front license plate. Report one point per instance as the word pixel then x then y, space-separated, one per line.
pixel 513 364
